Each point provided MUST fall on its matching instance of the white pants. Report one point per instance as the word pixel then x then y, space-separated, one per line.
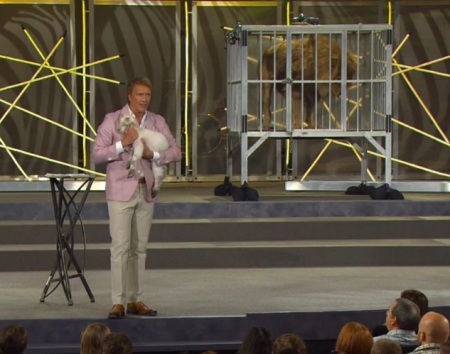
pixel 129 225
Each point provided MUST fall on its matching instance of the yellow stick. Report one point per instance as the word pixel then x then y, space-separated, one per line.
pixel 33 77
pixel 434 72
pixel 51 160
pixel 59 125
pixel 400 45
pixel 60 69
pixel 3 145
pixel 186 88
pixel 421 65
pixel 412 165
pixel 421 132
pixel 59 81
pixel 316 161
pixel 423 105
pixel 70 71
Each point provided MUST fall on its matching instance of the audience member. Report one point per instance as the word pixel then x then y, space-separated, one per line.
pixel 13 339
pixel 257 341
pixel 433 331
pixel 354 338
pixel 92 338
pixel 445 348
pixel 402 319
pixel 416 296
pixel 386 346
pixel 117 343
pixel 289 343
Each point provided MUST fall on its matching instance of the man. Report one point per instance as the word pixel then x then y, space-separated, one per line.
pixel 433 331
pixel 13 339
pixel 131 199
pixel 402 319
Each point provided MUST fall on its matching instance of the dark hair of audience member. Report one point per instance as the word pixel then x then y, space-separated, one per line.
pixel 418 298
pixel 13 339
pixel 445 348
pixel 386 346
pixel 92 338
pixel 407 313
pixel 354 338
pixel 117 343
pixel 257 341
pixel 289 343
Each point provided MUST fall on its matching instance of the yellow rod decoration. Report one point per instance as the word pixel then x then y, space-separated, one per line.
pixel 59 125
pixel 84 103
pixel 400 45
pixel 389 13
pixel 58 79
pixel 412 165
pixel 3 145
pixel 64 71
pixel 433 120
pixel 33 77
pixel 186 87
pixel 57 162
pixel 288 13
pixel 433 72
pixel 421 65
pixel 32 63
pixel 358 156
pixel 446 143
pixel 316 161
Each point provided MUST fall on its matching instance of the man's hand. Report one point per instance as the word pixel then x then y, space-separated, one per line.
pixel 147 154
pixel 129 137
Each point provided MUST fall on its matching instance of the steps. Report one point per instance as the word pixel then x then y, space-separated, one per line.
pixel 244 243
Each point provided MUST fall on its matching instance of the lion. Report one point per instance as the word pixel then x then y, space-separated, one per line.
pixel 304 53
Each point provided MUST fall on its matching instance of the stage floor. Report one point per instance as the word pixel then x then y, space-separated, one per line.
pixel 229 292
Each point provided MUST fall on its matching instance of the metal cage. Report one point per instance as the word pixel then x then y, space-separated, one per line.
pixel 308 81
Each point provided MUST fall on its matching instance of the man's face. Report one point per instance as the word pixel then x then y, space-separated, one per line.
pixel 139 99
pixel 390 318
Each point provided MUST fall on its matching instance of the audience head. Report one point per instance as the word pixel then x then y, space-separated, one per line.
pixel 354 338
pixel 386 346
pixel 418 298
pixel 257 341
pixel 92 338
pixel 402 314
pixel 289 343
pixel 433 328
pixel 13 339
pixel 117 343
pixel 445 348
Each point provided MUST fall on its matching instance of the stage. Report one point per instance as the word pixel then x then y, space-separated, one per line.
pixel 303 262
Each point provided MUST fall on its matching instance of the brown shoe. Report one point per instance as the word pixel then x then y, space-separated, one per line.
pixel 117 311
pixel 139 308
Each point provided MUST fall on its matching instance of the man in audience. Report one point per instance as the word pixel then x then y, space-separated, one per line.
pixel 433 331
pixel 402 319
pixel 13 339
pixel 416 296
pixel 386 346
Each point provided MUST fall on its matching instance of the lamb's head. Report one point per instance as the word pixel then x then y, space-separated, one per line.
pixel 126 122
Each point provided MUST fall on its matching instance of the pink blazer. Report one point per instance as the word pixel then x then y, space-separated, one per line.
pixel 119 187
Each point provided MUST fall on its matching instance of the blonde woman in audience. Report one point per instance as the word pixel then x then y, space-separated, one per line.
pixel 354 338
pixel 93 337
pixel 289 343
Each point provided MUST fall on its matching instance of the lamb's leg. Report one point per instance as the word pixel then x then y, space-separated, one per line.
pixel 138 150
pixel 159 173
